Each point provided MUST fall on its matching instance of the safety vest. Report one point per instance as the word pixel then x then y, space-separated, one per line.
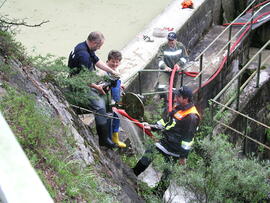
pixel 179 115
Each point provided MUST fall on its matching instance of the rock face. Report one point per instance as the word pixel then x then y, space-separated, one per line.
pixel 228 10
pixel 87 152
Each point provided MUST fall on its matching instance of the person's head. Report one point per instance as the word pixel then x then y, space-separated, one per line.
pixel 114 59
pixel 183 95
pixel 171 39
pixel 95 40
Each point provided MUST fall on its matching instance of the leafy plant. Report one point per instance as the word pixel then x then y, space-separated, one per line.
pixel 10 48
pixel 218 175
pixel 49 146
pixel 75 88
pixel 153 109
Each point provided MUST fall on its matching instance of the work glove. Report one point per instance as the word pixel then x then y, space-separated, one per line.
pixel 156 127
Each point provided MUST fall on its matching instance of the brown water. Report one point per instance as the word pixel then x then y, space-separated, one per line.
pixel 71 21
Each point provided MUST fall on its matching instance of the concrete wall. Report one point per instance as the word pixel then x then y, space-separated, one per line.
pixel 190 25
pixel 256 106
pixel 189 33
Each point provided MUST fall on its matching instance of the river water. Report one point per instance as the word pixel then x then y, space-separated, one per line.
pixel 70 22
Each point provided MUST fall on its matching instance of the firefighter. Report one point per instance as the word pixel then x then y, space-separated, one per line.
pixel 169 54
pixel 178 136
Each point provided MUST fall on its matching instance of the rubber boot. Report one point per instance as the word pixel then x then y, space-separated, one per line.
pixel 139 168
pixel 103 135
pixel 115 139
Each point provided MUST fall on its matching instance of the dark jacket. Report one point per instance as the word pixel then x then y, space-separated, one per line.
pixel 168 56
pixel 80 57
pixel 179 133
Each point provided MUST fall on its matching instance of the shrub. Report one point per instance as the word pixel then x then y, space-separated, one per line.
pixel 219 175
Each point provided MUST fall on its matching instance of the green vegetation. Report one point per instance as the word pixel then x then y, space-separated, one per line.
pixel 9 48
pixel 41 137
pixel 154 109
pixel 218 175
pixel 215 172
pixel 75 88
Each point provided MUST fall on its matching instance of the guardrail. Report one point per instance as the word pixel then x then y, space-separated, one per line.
pixel 18 180
pixel 230 49
pixel 236 96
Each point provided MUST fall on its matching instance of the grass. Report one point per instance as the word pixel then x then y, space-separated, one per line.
pixel 49 147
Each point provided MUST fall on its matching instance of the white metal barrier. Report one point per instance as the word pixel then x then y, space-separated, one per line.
pixel 19 183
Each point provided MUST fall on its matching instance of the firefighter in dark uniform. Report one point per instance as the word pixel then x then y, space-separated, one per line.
pixel 178 136
pixel 169 54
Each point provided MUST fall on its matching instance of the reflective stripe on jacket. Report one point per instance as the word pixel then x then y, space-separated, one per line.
pixel 168 56
pixel 178 115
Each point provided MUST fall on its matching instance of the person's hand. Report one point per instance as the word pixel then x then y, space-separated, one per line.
pixel 178 68
pixel 168 69
pixel 146 126
pixel 115 74
pixel 100 89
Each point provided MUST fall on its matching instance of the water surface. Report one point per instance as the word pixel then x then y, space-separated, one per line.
pixel 70 22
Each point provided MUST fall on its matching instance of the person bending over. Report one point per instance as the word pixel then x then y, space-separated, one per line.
pixel 84 55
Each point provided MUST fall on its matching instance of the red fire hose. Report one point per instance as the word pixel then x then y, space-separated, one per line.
pixel 140 125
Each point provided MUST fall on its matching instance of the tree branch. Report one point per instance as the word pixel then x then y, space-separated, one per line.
pixel 19 23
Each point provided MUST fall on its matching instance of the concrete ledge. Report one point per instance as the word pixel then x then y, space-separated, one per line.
pixel 139 53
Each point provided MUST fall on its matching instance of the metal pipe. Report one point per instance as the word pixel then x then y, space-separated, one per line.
pixel 182 77
pixel 140 86
pixel 153 70
pixel 229 47
pixel 238 92
pixel 201 67
pixel 224 31
pixel 241 71
pixel 262 124
pixel 152 93
pixel 258 70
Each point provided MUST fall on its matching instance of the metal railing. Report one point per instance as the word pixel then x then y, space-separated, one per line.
pixel 244 131
pixel 243 69
pixel 200 56
pixel 236 96
pixel 157 70
pixel 230 49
